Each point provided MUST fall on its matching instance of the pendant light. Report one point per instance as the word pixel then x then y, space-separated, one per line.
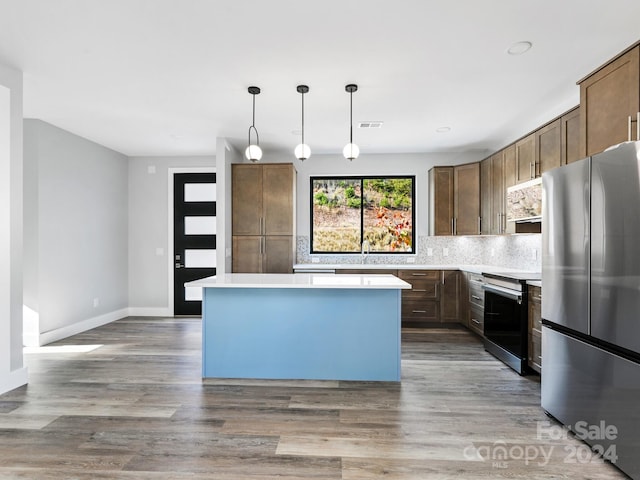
pixel 302 151
pixel 351 150
pixel 253 152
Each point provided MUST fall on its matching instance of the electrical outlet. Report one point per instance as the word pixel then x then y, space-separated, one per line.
pixel 315 260
pixel 96 302
pixel 429 252
pixel 492 252
pixel 534 254
pixel 445 252
pixel 411 260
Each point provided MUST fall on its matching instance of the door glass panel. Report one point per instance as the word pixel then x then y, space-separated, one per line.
pixel 200 225
pixel 199 192
pixel 193 294
pixel 201 258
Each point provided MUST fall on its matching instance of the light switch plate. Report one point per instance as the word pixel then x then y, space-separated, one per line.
pixel 445 252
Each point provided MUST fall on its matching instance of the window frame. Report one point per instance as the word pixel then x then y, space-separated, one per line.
pixel 362 178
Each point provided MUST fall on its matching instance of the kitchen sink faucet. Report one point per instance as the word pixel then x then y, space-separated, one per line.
pixel 365 250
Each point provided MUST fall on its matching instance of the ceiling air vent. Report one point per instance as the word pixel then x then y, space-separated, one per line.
pixel 370 124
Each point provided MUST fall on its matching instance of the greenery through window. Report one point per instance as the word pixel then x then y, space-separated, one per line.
pixel 346 210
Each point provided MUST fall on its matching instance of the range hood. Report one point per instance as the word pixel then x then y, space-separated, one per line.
pixel 524 202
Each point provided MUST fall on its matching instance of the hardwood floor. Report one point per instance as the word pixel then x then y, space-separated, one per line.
pixel 133 405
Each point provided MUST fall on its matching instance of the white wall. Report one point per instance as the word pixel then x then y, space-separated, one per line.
pixel 149 257
pixel 77 207
pixel 12 371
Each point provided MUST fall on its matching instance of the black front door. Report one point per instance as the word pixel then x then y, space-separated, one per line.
pixel 194 237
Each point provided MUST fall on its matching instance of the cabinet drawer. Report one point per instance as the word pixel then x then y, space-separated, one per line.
pixel 421 290
pixel 417 310
pixel 535 294
pixel 535 351
pixel 409 275
pixel 475 278
pixel 476 295
pixel 476 320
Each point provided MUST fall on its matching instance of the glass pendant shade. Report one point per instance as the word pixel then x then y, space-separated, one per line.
pixel 351 151
pixel 253 153
pixel 302 151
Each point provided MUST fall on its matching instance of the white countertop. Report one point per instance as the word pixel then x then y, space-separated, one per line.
pixel 300 280
pixel 371 266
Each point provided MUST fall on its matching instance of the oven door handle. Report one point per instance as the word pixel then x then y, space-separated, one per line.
pixel 504 292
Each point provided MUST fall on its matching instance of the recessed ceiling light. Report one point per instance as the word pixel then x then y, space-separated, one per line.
pixel 443 129
pixel 519 48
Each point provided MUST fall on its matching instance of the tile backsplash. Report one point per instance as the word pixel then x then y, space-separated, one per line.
pixel 511 251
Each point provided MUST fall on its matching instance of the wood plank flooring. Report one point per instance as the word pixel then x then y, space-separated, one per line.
pixel 133 406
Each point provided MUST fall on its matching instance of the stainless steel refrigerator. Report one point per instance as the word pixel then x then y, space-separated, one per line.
pixel 591 302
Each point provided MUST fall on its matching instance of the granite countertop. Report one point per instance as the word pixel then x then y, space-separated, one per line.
pixel 300 280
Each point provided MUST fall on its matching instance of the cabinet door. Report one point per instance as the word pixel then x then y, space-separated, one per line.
pixel 498 194
pixel 509 160
pixel 608 99
pixel 277 187
pixel 450 296
pixel 466 185
pixel 525 158
pixel 570 136
pixel 247 254
pixel 278 254
pixel 441 200
pixel 246 199
pixel 548 147
pixel 486 193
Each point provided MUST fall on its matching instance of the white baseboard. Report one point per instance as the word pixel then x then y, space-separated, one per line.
pixel 13 379
pixel 83 326
pixel 150 312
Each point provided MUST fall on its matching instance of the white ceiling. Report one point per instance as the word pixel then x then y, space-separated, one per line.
pixel 166 77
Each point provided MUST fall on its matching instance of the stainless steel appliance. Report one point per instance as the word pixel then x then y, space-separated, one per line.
pixel 505 317
pixel 591 301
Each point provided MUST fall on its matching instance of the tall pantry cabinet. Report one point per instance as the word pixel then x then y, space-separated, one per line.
pixel 263 217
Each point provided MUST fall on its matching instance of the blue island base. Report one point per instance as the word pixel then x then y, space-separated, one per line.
pixel 289 333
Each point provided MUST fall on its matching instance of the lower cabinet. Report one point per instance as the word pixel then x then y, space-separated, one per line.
pixel 535 328
pixel 263 254
pixel 434 297
pixel 475 302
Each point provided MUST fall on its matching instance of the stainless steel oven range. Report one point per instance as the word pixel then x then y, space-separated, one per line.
pixel 505 318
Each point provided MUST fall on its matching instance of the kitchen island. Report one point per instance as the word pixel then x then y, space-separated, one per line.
pixel 301 326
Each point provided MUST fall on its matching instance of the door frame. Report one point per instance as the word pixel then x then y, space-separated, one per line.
pixel 171 263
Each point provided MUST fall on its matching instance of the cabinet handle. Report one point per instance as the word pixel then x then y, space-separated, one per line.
pixel 418 290
pixel 629 128
pixel 499 222
pixel 455 226
pixel 418 274
pixel 479 225
pixel 475 321
pixel 418 311
pixel 638 126
pixel 452 227
pixel 530 170
pixel 475 297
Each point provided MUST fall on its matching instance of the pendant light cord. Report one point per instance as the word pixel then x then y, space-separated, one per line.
pixel 253 124
pixel 351 117
pixel 303 118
